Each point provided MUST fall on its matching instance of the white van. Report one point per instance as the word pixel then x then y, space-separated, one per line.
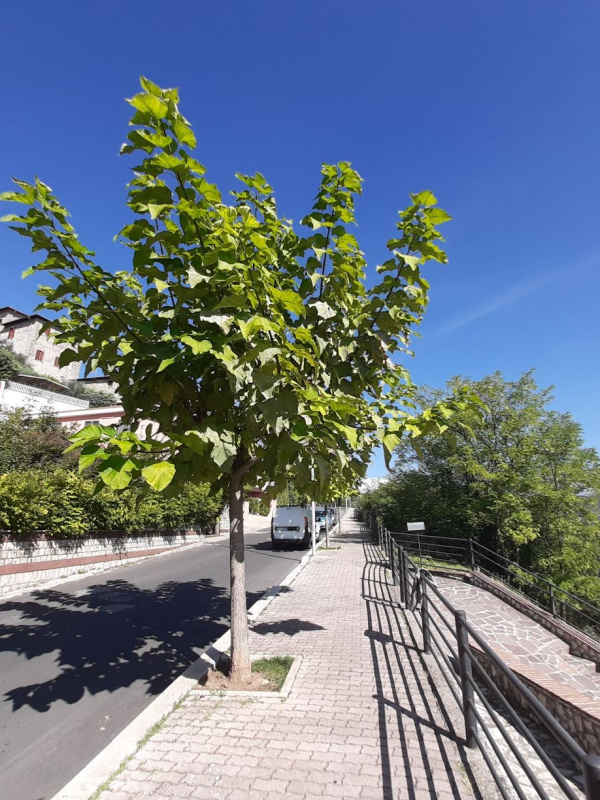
pixel 291 525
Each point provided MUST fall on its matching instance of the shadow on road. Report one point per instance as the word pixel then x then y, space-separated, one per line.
pixel 111 635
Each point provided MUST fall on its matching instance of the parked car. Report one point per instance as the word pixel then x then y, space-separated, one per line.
pixel 291 525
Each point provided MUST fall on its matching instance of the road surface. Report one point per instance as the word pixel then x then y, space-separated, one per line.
pixel 78 662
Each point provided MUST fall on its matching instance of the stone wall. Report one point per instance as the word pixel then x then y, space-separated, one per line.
pixel 28 339
pixel 579 714
pixel 27 563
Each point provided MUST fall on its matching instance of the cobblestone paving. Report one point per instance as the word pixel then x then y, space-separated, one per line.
pixel 507 630
pixel 362 719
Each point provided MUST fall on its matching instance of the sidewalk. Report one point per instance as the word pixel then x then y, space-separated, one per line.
pixel 361 721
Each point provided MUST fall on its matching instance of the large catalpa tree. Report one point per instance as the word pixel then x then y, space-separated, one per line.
pixel 243 349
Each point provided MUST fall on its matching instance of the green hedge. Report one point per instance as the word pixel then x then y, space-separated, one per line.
pixel 257 506
pixel 63 504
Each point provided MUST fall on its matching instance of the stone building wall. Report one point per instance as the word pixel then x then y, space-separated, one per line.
pixel 27 341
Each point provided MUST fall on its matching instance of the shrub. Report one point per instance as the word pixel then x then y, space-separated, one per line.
pixel 12 364
pixel 31 442
pixel 65 505
pixel 257 506
pixel 58 502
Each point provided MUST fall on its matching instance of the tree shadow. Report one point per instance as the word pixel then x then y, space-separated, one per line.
pixel 288 626
pixel 111 635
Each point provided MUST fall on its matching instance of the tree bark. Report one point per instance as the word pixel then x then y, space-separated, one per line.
pixel 241 668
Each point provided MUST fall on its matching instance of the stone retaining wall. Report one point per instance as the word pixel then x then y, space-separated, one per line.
pixel 576 712
pixel 28 563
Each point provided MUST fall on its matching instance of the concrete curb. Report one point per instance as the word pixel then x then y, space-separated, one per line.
pixel 126 743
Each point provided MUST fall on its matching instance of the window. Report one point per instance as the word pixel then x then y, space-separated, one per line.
pixel 39 355
pixel 56 364
pixel 11 333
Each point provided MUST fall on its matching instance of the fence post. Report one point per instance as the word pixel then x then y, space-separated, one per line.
pixel 392 561
pixel 425 617
pixel 591 776
pixel 552 601
pixel 401 572
pixel 466 672
pixel 471 555
pixel 406 584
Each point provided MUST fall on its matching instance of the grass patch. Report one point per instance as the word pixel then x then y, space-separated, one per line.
pixel 332 547
pixel 275 669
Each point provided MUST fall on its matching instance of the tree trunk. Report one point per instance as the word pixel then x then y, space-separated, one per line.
pixel 241 669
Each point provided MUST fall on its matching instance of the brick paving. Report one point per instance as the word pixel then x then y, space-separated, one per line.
pixel 362 719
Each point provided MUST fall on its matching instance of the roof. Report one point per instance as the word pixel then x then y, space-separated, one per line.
pixel 14 310
pixel 96 379
pixel 18 323
pixel 43 383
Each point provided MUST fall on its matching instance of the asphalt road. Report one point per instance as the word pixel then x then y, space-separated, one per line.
pixel 80 661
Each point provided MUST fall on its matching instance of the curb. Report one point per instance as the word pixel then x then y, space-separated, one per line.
pixel 125 744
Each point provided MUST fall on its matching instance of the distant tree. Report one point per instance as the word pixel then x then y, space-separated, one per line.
pixel 95 398
pixel 257 352
pixel 515 475
pixel 12 364
pixel 32 441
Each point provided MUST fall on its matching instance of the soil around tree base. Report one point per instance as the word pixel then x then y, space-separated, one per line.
pixel 264 678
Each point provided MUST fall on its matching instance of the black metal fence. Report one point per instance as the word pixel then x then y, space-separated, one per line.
pixel 447 636
pixel 432 550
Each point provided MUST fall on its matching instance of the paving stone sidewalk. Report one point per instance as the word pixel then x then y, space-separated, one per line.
pixel 525 641
pixel 362 719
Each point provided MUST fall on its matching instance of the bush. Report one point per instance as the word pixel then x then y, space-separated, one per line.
pixel 58 502
pixel 257 506
pixel 64 505
pixel 95 398
pixel 30 442
pixel 12 364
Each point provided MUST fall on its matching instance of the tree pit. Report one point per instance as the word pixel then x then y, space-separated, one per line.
pixel 268 675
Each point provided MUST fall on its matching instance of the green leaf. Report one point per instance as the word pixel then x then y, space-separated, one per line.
pixel 198 346
pixel 159 475
pixel 290 300
pixel 195 277
pixel 115 472
pixel 183 132
pixel 89 455
pixel 424 198
pixel 149 104
pixel 90 432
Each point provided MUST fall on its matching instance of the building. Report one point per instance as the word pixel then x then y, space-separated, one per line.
pixel 23 333
pixel 36 393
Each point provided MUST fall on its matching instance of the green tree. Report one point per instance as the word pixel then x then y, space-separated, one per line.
pixel 514 475
pixel 12 364
pixel 95 398
pixel 255 351
pixel 32 441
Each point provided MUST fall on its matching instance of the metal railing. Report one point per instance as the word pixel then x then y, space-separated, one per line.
pixel 447 637
pixel 432 550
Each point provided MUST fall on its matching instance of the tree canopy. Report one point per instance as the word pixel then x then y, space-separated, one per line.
pixel 516 475
pixel 243 340
pixel 250 349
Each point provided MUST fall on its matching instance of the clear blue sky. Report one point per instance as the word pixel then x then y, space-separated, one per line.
pixel 494 106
